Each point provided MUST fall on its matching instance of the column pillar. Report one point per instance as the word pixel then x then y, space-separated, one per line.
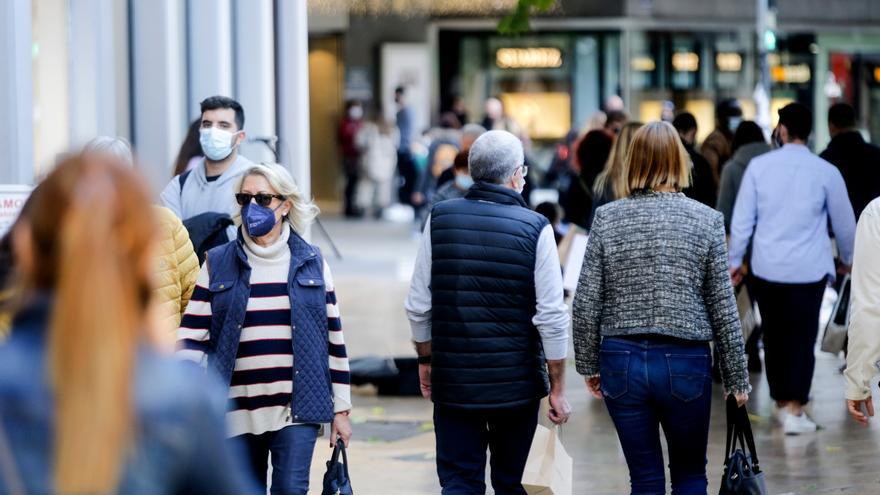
pixel 253 31
pixel 158 85
pixel 16 93
pixel 209 39
pixel 292 89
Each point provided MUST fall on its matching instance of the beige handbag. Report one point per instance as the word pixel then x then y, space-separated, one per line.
pixel 549 467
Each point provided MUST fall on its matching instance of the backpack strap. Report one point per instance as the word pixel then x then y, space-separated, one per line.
pixel 181 179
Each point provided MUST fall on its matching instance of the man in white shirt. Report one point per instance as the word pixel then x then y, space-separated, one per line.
pixel 489 322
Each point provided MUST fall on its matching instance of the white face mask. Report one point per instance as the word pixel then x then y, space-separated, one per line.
pixel 216 143
pixel 356 112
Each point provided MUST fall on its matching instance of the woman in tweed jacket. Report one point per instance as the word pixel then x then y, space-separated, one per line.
pixel 654 292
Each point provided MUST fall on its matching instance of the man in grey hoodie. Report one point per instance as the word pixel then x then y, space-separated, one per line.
pixel 208 187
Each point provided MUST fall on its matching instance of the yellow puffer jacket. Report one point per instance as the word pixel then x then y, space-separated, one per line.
pixel 176 276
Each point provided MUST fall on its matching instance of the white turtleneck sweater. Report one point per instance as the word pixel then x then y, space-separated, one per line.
pixel 260 393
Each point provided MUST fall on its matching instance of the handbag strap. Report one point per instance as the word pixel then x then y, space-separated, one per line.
pixel 739 427
pixel 8 469
pixel 341 444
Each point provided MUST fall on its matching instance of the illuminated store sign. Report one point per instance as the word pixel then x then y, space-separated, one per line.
pixel 529 58
pixel 685 61
pixel 643 64
pixel 797 73
pixel 729 61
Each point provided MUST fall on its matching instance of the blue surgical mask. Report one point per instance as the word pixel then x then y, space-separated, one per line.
pixel 464 181
pixel 258 220
pixel 216 143
pixel 733 123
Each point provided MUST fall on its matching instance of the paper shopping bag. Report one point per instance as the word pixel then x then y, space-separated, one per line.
pixel 549 467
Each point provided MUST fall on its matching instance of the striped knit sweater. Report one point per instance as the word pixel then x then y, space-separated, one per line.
pixel 656 263
pixel 260 392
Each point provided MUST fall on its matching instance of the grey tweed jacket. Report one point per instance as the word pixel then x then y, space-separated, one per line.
pixel 656 263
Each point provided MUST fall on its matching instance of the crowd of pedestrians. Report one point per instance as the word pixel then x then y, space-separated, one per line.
pixel 90 403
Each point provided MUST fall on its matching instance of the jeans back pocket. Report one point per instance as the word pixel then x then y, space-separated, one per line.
pixel 613 371
pixel 688 375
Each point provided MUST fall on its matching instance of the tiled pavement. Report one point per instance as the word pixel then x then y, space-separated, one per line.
pixel 392 451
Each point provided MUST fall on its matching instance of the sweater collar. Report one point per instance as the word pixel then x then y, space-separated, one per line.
pixel 268 253
pixel 494 193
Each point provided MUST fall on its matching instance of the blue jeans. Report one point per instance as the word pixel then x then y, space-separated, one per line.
pixel 463 436
pixel 291 448
pixel 655 382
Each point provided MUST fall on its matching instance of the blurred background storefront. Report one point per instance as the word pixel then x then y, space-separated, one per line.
pixel 138 68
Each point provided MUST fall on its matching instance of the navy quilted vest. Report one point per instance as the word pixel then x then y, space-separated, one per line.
pixel 486 353
pixel 230 290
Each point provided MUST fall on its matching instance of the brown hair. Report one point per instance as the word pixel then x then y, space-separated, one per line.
pixel 91 243
pixel 614 172
pixel 656 158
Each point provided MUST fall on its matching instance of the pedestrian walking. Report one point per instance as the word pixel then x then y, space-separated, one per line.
pixel 591 154
pixel 858 161
pixel 642 333
pixel 206 191
pixel 264 318
pixel 407 172
pixel 351 153
pixel 377 143
pixel 748 143
pixel 785 204
pixel 611 182
pixel 190 153
pixel 86 404
pixel 461 182
pixel 864 323
pixel 177 264
pixel 489 323
pixel 717 148
pixel 703 187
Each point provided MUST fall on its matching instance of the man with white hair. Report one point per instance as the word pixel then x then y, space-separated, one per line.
pixel 489 322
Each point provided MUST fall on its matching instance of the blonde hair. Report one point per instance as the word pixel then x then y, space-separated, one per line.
pixel 302 211
pixel 656 158
pixel 92 248
pixel 614 171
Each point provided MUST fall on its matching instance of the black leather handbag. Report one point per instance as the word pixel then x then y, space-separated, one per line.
pixel 742 474
pixel 336 480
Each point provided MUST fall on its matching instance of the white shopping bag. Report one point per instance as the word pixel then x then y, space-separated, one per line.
pixel 549 467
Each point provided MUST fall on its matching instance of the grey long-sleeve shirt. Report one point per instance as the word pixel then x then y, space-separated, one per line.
pixel 551 318
pixel 656 263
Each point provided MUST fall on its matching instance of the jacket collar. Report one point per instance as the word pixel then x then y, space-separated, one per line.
pixel 847 138
pixel 494 193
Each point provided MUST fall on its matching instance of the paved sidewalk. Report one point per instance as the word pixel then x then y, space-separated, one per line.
pixel 393 448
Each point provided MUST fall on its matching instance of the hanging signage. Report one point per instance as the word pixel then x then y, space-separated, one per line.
pixel 529 58
pixel 685 61
pixel 728 61
pixel 793 74
pixel 12 198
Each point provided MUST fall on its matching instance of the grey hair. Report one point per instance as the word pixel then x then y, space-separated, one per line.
pixel 303 210
pixel 495 156
pixel 473 130
pixel 116 147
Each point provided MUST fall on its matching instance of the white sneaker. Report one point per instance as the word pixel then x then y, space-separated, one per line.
pixel 795 425
pixel 780 413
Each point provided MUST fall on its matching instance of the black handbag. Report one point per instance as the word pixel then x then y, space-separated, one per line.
pixel 742 473
pixel 336 480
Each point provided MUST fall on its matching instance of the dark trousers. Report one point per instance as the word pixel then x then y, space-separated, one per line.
pixel 790 321
pixel 653 382
pixel 350 167
pixel 407 177
pixel 291 448
pixel 462 438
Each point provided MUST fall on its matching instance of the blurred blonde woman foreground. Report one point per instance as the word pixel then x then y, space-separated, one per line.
pixel 86 407
pixel 264 318
pixel 654 292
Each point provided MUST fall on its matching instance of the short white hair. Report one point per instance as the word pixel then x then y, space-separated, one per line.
pixel 115 147
pixel 303 210
pixel 495 156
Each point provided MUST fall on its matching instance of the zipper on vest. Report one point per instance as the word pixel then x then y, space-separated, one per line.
pixel 288 412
